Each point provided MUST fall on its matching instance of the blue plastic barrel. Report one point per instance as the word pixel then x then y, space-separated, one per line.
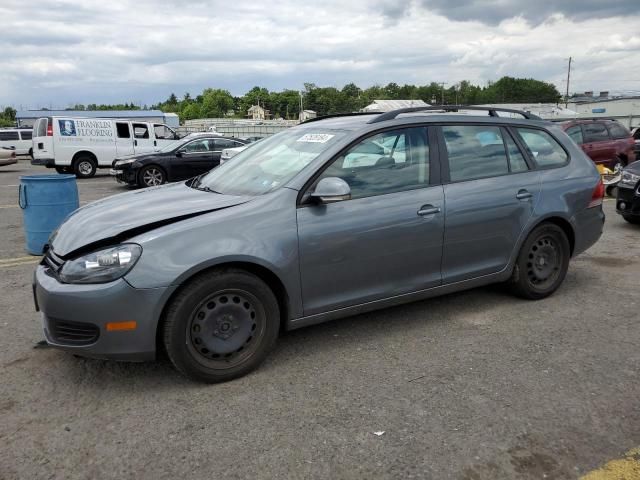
pixel 45 200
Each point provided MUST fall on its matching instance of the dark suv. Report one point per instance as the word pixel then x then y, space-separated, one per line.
pixel 606 142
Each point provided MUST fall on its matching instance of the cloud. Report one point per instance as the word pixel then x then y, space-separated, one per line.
pixel 143 50
pixel 493 12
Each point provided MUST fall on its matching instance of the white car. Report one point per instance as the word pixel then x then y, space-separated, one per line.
pixel 17 139
pixel 229 153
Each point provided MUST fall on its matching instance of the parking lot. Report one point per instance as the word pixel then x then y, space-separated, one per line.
pixel 475 385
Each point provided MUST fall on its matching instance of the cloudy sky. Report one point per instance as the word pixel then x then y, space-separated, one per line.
pixel 63 52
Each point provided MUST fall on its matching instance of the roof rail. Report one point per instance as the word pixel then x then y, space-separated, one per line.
pixel 336 115
pixel 576 118
pixel 451 108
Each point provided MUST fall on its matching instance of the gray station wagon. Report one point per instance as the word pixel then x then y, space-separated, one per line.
pixel 334 217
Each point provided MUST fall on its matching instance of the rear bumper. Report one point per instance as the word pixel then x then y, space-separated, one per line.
pixel 589 225
pixel 8 161
pixel 74 317
pixel 47 162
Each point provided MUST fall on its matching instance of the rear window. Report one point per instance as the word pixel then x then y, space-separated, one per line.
pixel 26 135
pixel 546 151
pixel 595 132
pixel 42 127
pixel 618 131
pixel 9 136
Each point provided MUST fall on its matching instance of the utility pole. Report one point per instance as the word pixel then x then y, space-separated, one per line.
pixel 442 84
pixel 566 98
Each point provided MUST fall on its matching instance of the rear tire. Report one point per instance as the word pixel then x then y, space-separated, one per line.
pixel 221 325
pixel 85 167
pixel 632 220
pixel 542 263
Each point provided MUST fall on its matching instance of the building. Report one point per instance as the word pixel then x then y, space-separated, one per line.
pixel 307 115
pixel 26 118
pixel 388 105
pixel 256 112
pixel 624 109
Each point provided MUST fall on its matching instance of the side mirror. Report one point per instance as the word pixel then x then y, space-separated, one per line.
pixel 330 190
pixel 179 153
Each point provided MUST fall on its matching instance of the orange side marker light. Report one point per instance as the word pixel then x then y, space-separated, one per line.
pixel 119 326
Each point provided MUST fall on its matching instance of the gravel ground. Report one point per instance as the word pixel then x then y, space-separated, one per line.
pixel 475 385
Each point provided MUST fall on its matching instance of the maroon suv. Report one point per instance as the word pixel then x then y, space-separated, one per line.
pixel 606 142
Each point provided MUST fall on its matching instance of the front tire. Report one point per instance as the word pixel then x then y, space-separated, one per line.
pixel 221 326
pixel 85 167
pixel 151 176
pixel 542 263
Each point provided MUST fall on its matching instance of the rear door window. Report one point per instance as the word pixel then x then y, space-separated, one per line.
pixel 595 132
pixel 618 131
pixel 26 135
pixel 475 152
pixel 575 133
pixel 543 148
pixel 517 162
pixel 140 130
pixel 42 127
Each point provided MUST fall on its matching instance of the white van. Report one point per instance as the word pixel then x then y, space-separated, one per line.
pixel 82 145
pixel 18 139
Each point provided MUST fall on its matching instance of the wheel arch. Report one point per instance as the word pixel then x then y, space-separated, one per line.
pixel 82 153
pixel 561 222
pixel 267 275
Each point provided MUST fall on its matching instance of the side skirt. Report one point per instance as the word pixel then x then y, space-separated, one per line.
pixel 501 276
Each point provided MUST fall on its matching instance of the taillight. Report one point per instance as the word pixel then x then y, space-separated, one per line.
pixel 49 129
pixel 598 195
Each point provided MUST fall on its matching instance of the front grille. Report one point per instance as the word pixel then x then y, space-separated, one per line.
pixel 72 333
pixel 53 263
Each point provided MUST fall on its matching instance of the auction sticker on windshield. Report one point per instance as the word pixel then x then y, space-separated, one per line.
pixel 316 137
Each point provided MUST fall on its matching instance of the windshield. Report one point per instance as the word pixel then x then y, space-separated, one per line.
pixel 270 163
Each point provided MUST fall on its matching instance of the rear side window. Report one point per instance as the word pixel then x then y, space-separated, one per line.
pixel 546 151
pixel 9 136
pixel 475 152
pixel 575 133
pixel 26 135
pixel 618 131
pixel 221 143
pixel 595 132
pixel 123 130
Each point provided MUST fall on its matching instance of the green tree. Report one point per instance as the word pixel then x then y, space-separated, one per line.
pixel 216 102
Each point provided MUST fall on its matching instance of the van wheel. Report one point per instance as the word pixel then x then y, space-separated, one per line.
pixel 85 167
pixel 221 325
pixel 542 263
pixel 31 153
pixel 151 176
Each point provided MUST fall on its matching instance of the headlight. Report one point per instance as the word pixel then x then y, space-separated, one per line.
pixel 629 178
pixel 101 266
pixel 125 162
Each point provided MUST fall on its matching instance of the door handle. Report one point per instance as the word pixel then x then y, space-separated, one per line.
pixel 135 143
pixel 428 210
pixel 524 195
pixel 155 144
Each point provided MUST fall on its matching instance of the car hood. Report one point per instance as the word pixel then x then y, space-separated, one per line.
pixel 116 218
pixel 633 167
